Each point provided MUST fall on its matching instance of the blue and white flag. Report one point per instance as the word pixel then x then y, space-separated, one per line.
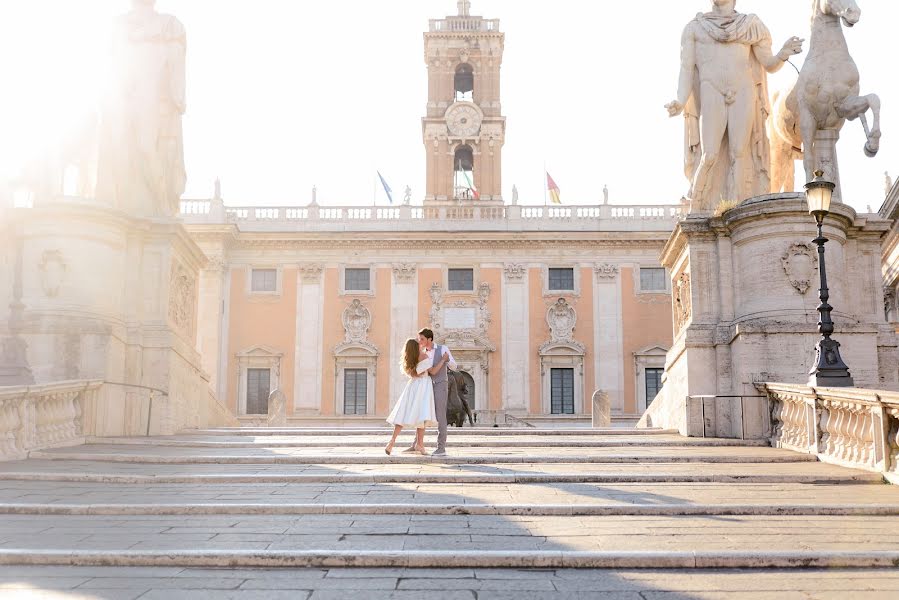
pixel 386 187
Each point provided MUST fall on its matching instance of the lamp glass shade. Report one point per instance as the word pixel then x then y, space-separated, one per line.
pixel 819 197
pixel 819 193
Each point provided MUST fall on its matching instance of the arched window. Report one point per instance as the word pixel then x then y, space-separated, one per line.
pixel 463 174
pixel 464 83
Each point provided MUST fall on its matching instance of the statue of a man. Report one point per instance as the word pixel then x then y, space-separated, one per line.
pixel 141 162
pixel 723 92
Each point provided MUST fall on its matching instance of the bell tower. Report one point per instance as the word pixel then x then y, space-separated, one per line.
pixel 463 129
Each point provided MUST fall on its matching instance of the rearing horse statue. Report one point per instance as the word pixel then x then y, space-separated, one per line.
pixel 808 118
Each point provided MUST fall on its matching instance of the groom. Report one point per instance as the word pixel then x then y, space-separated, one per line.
pixel 441 384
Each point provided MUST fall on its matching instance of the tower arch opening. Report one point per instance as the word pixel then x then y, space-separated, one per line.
pixel 463 83
pixel 463 174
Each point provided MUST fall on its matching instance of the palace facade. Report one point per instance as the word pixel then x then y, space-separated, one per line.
pixel 541 306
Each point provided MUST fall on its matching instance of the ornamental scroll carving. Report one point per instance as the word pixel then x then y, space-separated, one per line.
pixel 446 320
pixel 356 322
pixel 800 263
pixel 182 298
pixel 404 272
pixel 53 271
pixel 514 272
pixel 561 319
pixel 606 271
pixel 311 272
pixel 682 305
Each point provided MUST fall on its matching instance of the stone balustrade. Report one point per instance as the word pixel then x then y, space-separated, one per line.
pixel 43 416
pixel 466 24
pixel 434 218
pixel 848 426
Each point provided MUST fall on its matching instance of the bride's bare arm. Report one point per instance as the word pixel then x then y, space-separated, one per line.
pixel 434 370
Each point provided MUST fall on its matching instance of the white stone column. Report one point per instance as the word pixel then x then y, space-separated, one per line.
pixel 516 329
pixel 307 392
pixel 608 359
pixel 403 320
pixel 210 313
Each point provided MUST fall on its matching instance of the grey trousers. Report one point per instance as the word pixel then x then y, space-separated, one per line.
pixel 441 391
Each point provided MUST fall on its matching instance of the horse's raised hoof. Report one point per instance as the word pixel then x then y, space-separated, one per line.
pixel 871 149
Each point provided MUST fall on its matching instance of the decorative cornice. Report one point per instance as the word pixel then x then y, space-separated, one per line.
pixel 459 243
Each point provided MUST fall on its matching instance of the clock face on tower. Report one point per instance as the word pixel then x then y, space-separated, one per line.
pixel 463 119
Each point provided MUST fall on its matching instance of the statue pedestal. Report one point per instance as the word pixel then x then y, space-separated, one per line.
pixel 744 297
pixel 110 297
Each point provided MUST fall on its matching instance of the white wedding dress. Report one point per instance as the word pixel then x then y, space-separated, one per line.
pixel 415 407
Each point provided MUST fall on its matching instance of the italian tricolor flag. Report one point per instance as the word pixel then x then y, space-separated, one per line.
pixel 474 191
pixel 554 193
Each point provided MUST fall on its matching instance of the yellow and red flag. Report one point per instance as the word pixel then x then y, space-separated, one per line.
pixel 554 192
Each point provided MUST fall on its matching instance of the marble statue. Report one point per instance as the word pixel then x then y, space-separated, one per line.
pixel 407 196
pixel 605 194
pixel 811 114
pixel 514 195
pixel 887 183
pixel 141 156
pixel 723 94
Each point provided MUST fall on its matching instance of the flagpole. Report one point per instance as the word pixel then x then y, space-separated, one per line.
pixel 545 183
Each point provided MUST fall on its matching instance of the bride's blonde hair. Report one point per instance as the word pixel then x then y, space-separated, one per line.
pixel 410 356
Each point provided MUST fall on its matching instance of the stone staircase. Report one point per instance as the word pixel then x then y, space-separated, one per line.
pixel 502 499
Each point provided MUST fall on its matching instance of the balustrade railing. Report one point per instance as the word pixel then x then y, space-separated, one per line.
pixel 43 416
pixel 486 216
pixel 453 24
pixel 848 426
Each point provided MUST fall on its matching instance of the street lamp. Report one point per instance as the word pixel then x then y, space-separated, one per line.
pixel 829 369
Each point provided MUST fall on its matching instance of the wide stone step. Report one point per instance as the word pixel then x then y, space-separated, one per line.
pixel 163 454
pixel 452 431
pixel 417 509
pixel 464 583
pixel 495 474
pixel 379 441
pixel 448 494
pixel 447 541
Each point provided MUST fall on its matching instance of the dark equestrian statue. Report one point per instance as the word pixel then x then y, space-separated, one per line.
pixel 457 400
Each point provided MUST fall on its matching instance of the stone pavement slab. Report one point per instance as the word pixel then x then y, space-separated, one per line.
pixel 66 583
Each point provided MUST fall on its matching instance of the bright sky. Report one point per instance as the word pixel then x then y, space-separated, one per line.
pixel 287 94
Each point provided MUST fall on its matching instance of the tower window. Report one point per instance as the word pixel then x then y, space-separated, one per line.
pixel 463 174
pixel 464 83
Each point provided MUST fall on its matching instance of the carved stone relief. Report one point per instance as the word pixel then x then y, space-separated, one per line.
pixel 356 321
pixel 606 271
pixel 182 298
pixel 53 271
pixel 800 263
pixel 475 337
pixel 311 272
pixel 404 272
pixel 514 272
pixel 561 319
pixel 683 306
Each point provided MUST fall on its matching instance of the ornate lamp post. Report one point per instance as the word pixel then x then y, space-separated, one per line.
pixel 829 369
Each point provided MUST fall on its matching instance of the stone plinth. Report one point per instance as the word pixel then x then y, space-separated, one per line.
pixel 744 299
pixel 110 297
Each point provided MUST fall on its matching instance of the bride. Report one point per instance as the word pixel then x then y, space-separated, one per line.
pixel 415 407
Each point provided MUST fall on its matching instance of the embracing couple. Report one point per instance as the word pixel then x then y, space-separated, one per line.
pixel 423 401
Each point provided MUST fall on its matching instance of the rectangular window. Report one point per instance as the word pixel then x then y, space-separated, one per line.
pixel 460 280
pixel 264 280
pixel 355 391
pixel 258 389
pixel 562 391
pixel 561 280
pixel 653 384
pixel 652 280
pixel 357 280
